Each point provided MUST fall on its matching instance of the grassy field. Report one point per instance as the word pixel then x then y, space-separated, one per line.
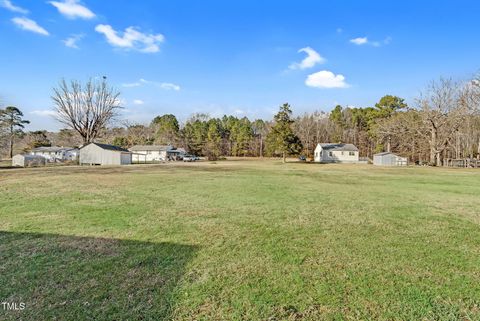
pixel 240 240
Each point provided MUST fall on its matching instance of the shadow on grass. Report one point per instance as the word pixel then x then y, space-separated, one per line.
pixel 81 278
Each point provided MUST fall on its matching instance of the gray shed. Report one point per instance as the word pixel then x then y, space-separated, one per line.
pixel 103 154
pixel 28 160
pixel 389 159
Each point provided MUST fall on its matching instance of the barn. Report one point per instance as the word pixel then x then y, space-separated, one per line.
pixel 103 154
pixel 28 160
pixel 389 159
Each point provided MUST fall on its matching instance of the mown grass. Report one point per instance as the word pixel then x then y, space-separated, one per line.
pixel 240 240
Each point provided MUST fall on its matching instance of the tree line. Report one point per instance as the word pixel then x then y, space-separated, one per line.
pixel 443 123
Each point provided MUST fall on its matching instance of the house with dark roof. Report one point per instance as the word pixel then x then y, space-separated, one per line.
pixel 336 153
pixel 104 154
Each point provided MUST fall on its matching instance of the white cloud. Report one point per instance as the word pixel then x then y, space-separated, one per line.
pixel 138 102
pixel 239 112
pixel 7 4
pixel 364 41
pixel 133 84
pixel 72 9
pixel 131 39
pixel 43 113
pixel 29 25
pixel 311 60
pixel 326 79
pixel 169 86
pixel 359 41
pixel 162 85
pixel 71 41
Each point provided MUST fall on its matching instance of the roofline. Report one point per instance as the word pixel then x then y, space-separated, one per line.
pixel 113 150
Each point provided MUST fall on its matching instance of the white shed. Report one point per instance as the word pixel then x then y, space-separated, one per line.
pixel 28 160
pixel 389 159
pixel 103 154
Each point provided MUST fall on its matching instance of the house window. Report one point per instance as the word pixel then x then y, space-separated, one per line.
pixel 351 153
pixel 316 154
pixel 343 153
pixel 330 154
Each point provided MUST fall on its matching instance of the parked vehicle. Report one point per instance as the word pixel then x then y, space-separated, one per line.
pixel 189 158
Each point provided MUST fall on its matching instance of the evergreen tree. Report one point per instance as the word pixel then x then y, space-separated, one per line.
pixel 214 139
pixel 38 139
pixel 281 138
pixel 11 120
pixel 167 129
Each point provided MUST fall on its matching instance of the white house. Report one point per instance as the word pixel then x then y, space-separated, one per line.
pixel 336 153
pixel 56 154
pixel 389 159
pixel 155 153
pixel 103 154
pixel 28 160
pixel 149 153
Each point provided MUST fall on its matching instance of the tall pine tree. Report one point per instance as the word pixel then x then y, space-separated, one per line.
pixel 11 120
pixel 281 139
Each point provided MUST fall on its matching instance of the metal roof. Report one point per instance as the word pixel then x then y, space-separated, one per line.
pixel 339 147
pixel 388 153
pixel 108 147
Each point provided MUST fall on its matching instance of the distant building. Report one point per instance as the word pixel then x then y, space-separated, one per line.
pixel 56 154
pixel 389 159
pixel 155 153
pixel 28 160
pixel 103 154
pixel 336 153
pixel 149 153
pixel 176 153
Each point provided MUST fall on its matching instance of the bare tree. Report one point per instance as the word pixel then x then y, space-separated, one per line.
pixel 443 110
pixel 86 109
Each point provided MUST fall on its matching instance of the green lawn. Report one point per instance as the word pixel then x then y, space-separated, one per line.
pixel 240 240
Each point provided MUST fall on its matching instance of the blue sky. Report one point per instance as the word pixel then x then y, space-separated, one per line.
pixel 240 57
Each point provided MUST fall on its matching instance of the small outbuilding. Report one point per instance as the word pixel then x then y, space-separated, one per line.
pixel 389 159
pixel 104 154
pixel 28 160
